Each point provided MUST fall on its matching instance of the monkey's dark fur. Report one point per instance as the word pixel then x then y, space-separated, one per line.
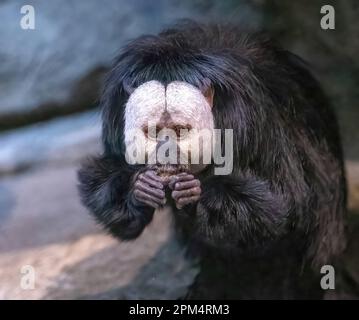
pixel 265 230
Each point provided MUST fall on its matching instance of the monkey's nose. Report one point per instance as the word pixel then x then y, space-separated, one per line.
pixel 168 153
pixel 180 129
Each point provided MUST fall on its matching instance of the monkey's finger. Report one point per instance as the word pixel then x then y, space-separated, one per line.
pixel 150 204
pixel 196 191
pixel 150 181
pixel 152 174
pixel 182 174
pixel 143 196
pixel 180 177
pixel 184 201
pixel 147 202
pixel 172 182
pixel 182 185
pixel 160 194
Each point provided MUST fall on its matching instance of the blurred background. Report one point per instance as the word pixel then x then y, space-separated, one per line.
pixel 50 80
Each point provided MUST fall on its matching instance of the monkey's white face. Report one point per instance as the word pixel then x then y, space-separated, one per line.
pixel 175 107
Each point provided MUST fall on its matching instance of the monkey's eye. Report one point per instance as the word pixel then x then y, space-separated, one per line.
pixel 182 131
pixel 151 132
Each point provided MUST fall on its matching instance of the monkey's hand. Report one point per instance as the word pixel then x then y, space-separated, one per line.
pixel 148 190
pixel 185 189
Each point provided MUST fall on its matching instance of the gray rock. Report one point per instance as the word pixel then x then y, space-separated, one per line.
pixel 57 64
pixel 58 142
pixel 44 226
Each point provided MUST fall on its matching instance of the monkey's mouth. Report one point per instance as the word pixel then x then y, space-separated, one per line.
pixel 168 170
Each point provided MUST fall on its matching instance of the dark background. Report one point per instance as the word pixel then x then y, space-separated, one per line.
pixel 50 78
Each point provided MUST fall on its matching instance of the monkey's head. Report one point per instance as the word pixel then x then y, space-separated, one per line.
pixel 169 126
pixel 194 76
pixel 165 94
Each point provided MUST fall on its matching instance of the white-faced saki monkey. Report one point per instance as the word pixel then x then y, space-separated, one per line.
pixel 271 214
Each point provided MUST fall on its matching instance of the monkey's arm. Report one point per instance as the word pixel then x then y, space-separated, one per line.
pixel 106 187
pixel 241 211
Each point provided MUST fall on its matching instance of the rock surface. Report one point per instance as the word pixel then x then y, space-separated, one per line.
pixel 60 63
pixel 61 141
pixel 43 225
